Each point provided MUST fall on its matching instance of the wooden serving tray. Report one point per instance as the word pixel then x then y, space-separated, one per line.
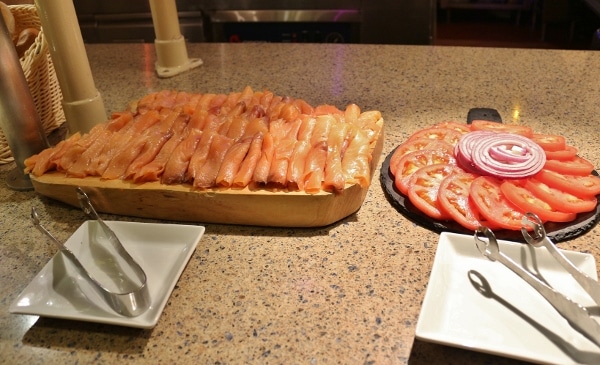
pixel 257 207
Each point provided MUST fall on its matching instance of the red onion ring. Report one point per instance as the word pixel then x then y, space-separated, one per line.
pixel 500 153
pixel 464 148
pixel 491 156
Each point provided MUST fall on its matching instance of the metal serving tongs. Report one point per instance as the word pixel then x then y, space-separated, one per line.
pixel 577 315
pixel 538 238
pixel 127 296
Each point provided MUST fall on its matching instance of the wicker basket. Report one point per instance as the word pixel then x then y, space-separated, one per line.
pixel 40 75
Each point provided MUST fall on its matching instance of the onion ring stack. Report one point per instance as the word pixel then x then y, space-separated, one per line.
pixel 503 155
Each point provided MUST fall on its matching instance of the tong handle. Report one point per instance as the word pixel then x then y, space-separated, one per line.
pixel 36 223
pixel 88 209
pixel 538 237
pixel 86 204
pixel 577 315
pixel 63 249
pixel 590 285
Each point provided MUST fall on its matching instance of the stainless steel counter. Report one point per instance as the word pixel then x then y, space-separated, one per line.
pixel 342 294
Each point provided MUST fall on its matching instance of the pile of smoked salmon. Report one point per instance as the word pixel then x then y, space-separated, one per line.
pixel 223 140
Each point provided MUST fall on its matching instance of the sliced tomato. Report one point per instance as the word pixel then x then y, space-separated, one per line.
pixel 550 142
pixel 485 125
pixel 580 186
pixel 417 144
pixel 443 134
pixel 458 126
pixel 574 166
pixel 528 202
pixel 453 198
pixel 566 154
pixel 413 161
pixel 558 199
pixel 424 186
pixel 487 196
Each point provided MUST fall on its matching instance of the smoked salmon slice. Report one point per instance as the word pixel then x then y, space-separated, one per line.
pixel 48 159
pixel 176 167
pixel 245 172
pixel 263 165
pixel 153 170
pixel 232 162
pixel 207 175
pixel 200 155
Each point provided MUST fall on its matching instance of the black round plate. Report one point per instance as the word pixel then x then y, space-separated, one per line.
pixel 557 232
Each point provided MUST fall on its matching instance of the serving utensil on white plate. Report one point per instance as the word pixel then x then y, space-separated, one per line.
pixel 576 315
pixel 537 238
pixel 121 280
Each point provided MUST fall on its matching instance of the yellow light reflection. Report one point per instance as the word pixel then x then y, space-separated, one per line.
pixel 516 113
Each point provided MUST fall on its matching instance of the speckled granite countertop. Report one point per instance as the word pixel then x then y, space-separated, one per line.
pixel 343 294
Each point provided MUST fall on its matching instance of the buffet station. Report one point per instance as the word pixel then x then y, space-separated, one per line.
pixel 296 203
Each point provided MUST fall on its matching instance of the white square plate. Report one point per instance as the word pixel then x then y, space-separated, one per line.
pixel 59 291
pixel 513 320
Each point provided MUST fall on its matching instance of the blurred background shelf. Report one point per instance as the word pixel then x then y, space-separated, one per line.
pixel 543 24
pixel 516 6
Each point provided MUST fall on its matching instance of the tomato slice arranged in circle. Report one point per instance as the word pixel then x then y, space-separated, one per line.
pixel 417 144
pixel 424 186
pixel 453 198
pixel 443 134
pixel 413 161
pixel 558 199
pixel 566 154
pixel 457 126
pixel 580 186
pixel 487 196
pixel 528 202
pixel 550 142
pixel 485 125
pixel 574 166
